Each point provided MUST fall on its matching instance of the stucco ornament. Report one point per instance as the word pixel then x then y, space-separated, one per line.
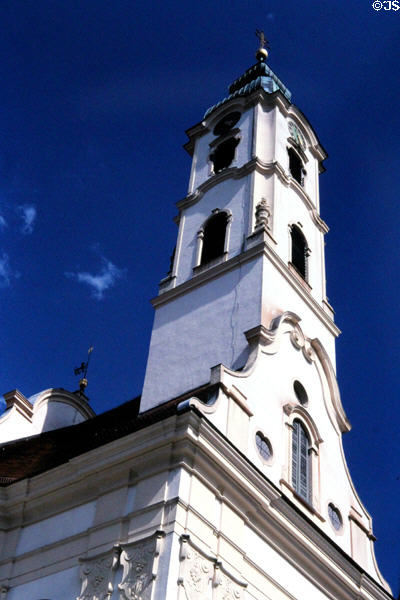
pixel 196 572
pixel 263 214
pixel 225 588
pixel 140 562
pixel 97 576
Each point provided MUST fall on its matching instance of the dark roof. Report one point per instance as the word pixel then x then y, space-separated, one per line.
pixel 29 456
pixel 259 76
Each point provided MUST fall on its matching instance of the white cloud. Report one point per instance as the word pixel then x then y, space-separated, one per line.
pixel 6 272
pixel 28 215
pixel 106 279
pixel 3 222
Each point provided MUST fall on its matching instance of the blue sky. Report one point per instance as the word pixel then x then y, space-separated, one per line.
pixel 95 99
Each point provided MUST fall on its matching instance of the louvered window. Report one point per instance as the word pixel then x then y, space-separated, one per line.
pixel 299 251
pixel 301 466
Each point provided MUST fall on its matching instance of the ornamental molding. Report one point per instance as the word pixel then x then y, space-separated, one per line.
pixel 203 577
pixel 196 571
pixel 97 574
pixel 295 411
pixel 269 338
pixel 247 255
pixel 275 99
pixel 334 392
pixel 139 561
pixel 225 586
pixel 263 215
pixel 255 164
pixel 268 341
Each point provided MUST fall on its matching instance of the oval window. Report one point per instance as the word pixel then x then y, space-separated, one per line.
pixel 335 517
pixel 300 392
pixel 263 446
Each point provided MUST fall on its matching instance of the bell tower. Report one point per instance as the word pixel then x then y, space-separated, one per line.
pixel 243 330
pixel 250 242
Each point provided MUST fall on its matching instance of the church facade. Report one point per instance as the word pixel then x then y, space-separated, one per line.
pixel 227 478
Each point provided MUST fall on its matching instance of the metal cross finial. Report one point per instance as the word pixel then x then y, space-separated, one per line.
pixel 263 40
pixel 262 53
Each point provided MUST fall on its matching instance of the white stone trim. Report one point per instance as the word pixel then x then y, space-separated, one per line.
pixel 255 164
pixel 97 574
pixel 200 237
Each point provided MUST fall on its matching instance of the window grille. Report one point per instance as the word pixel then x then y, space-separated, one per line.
pixel 301 465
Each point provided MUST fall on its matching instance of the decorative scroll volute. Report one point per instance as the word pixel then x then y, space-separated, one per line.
pixel 204 578
pixel 140 564
pixel 225 587
pixel 97 575
pixel 196 572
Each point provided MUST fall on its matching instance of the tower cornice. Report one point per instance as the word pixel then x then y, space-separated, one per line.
pixel 255 164
pixel 260 249
pixel 275 98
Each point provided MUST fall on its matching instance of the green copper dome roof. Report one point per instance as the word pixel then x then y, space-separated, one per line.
pixel 259 76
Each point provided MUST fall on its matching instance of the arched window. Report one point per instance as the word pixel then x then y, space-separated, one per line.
pixel 301 461
pixel 299 250
pixel 296 166
pixel 214 237
pixel 224 154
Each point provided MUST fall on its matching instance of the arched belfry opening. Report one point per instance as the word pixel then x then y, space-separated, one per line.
pixel 299 251
pixel 214 236
pixel 223 155
pixel 296 166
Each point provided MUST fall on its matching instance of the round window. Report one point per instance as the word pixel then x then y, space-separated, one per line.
pixel 263 446
pixel 335 517
pixel 300 392
pixel 226 123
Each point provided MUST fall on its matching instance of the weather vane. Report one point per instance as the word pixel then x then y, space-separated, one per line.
pixel 82 370
pixel 262 52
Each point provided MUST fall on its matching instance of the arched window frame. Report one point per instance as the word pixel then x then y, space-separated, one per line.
pixel 231 136
pixel 299 413
pixel 298 153
pixel 307 251
pixel 301 467
pixel 200 240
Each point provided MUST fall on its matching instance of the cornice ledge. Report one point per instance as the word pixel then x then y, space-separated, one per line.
pixel 255 164
pixel 238 397
pixel 329 547
pixel 16 399
pixel 315 146
pixel 276 167
pixel 312 303
pixel 215 179
pixel 210 273
pixel 257 487
pixel 203 407
pixel 240 259
pixel 374 588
